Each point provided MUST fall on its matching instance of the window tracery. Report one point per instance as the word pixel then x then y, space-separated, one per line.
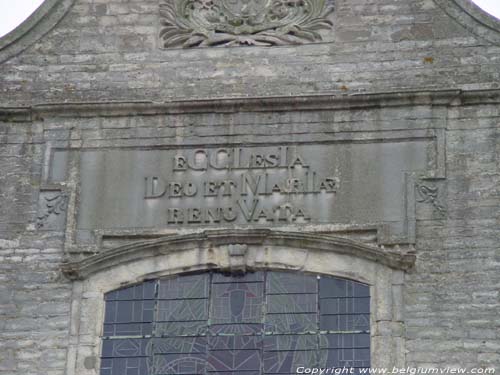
pixel 258 323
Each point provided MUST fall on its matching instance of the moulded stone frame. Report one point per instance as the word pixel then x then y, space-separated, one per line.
pixel 76 144
pixel 241 250
pixel 383 230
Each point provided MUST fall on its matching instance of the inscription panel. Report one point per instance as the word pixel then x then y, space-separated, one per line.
pixel 356 183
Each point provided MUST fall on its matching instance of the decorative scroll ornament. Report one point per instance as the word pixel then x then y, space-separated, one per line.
pixel 429 194
pixel 55 205
pixel 197 23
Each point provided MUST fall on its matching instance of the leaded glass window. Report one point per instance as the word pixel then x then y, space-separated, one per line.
pixel 258 323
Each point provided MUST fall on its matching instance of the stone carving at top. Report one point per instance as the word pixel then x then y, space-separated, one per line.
pixel 201 23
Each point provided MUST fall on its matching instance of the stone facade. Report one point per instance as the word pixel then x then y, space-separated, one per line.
pixel 395 108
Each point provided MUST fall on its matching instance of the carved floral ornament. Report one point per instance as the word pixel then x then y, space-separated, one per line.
pixel 202 23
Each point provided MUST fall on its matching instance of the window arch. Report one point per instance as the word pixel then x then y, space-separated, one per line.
pixel 234 251
pixel 265 322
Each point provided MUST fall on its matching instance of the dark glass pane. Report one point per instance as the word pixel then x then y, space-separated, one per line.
pixel 118 365
pixel 180 345
pixel 128 329
pixel 147 291
pixel 110 312
pixel 125 293
pixel 144 366
pixel 290 342
pixel 345 305
pixel 346 358
pixel 148 311
pixel 125 366
pixel 183 310
pixel 234 360
pixel 331 358
pixel 335 287
pixel 283 283
pixel 361 305
pixel 237 303
pixel 362 340
pixel 359 322
pixel 182 287
pixel 292 303
pixel 125 348
pixel 179 363
pixel 124 312
pixel 362 355
pixel 345 340
pixel 236 329
pixel 361 290
pixel 291 323
pixel 106 366
pixel 234 342
pixel 129 311
pixel 181 328
pixel 333 306
pixel 248 277
pixel 137 292
pixel 288 361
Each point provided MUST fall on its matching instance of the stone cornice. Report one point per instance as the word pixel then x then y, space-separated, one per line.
pixel 213 239
pixel 251 104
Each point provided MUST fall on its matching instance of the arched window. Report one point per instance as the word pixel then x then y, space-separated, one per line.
pixel 257 323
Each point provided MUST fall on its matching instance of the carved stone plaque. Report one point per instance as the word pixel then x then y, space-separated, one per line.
pixel 193 23
pixel 52 210
pixel 328 183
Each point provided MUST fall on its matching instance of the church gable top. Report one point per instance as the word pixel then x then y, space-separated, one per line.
pixel 472 18
pixel 81 51
pixel 46 17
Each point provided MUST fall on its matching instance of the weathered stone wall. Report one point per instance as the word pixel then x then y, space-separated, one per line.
pixel 34 297
pixel 452 298
pixel 105 51
pixel 108 50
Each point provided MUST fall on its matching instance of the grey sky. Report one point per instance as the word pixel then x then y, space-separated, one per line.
pixel 13 12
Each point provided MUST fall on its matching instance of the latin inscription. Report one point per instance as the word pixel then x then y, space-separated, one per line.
pixel 341 183
pixel 239 185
